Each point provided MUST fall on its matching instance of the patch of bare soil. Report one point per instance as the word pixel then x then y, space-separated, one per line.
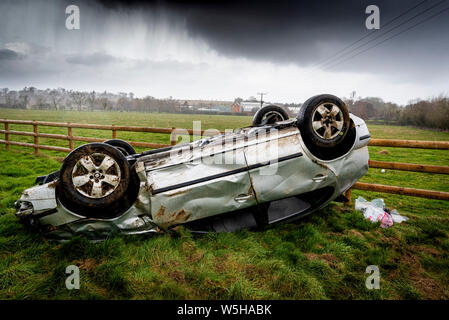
pixel 330 259
pixel 178 276
pixel 253 272
pixel 192 254
pixel 356 233
pixel 432 251
pixel 429 288
pixel 87 264
pixel 219 263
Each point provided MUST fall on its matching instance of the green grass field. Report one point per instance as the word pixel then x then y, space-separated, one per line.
pixel 323 256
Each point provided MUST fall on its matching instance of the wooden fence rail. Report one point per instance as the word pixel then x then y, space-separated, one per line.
pixel 408 167
pixel 430 194
pixel 409 144
pixel 173 140
pixel 71 138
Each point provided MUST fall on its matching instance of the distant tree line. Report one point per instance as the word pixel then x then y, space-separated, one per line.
pixel 62 99
pixel 431 113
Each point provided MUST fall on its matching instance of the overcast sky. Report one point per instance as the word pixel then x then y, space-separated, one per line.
pixel 228 49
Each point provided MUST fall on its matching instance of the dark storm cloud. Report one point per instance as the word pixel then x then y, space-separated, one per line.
pixel 304 32
pixel 281 31
pixel 222 49
pixel 287 31
pixel 6 54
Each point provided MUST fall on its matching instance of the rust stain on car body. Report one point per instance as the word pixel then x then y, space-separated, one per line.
pixel 160 212
pixel 165 219
pixel 53 184
pixel 320 164
pixel 149 188
pixel 180 216
pixel 251 189
pixel 177 193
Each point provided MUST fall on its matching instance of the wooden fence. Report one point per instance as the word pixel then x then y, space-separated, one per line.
pixel 430 194
pixel 173 140
pixel 71 138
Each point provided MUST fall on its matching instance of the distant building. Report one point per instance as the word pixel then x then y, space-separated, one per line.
pixel 236 108
pixel 185 105
pixel 247 106
pixel 221 108
pixel 204 103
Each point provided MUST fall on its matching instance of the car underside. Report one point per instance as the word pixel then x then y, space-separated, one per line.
pixel 277 170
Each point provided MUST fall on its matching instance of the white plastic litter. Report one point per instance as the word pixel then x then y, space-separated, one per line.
pixel 361 203
pixel 397 218
pixel 375 211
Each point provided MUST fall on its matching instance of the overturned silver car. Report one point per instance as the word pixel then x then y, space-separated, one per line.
pixel 277 170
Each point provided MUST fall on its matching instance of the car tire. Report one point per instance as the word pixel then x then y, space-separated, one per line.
pixel 96 181
pixel 123 146
pixel 268 115
pixel 324 121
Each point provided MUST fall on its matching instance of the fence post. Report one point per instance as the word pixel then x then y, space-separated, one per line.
pixel 70 135
pixel 36 138
pixel 7 135
pixel 173 136
pixel 114 133
pixel 347 194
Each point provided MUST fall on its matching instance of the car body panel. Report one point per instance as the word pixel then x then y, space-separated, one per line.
pixel 289 172
pixel 221 175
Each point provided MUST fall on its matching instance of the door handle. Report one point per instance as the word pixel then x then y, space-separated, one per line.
pixel 319 177
pixel 243 197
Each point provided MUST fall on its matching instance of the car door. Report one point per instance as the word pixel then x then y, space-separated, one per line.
pixel 279 168
pixel 205 181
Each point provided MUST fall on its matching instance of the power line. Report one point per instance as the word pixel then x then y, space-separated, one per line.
pixel 325 61
pixel 393 36
pixel 388 31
